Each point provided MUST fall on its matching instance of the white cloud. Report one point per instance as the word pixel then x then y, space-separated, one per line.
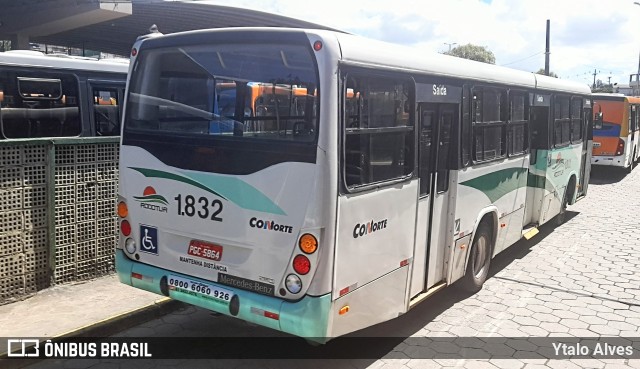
pixel 585 34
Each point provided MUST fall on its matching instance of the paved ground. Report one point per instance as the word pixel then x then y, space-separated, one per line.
pixel 67 308
pixel 581 279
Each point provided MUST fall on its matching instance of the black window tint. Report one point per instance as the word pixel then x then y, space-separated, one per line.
pixel 106 111
pixel 425 142
pixel 465 142
pixel 517 107
pixel 236 91
pixel 562 121
pixel 489 143
pixel 517 140
pixel 444 151
pixel 489 121
pixel 379 143
pixel 39 104
pixel 517 132
pixel 487 105
pixel 576 119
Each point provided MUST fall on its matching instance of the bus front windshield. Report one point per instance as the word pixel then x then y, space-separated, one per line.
pixel 239 91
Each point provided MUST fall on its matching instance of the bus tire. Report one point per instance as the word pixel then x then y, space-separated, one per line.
pixel 479 260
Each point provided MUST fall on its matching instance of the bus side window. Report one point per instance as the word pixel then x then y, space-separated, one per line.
pixel 576 119
pixel 379 136
pixel 518 127
pixel 561 121
pixel 39 104
pixel 106 111
pixel 489 120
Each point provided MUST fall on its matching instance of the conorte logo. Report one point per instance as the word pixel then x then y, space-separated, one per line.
pixel 23 347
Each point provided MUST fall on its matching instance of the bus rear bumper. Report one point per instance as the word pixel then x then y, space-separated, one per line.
pixel 306 318
pixel 617 161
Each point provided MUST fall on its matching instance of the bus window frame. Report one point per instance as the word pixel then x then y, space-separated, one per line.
pixel 555 143
pixel 576 121
pixel 346 71
pixel 45 73
pixel 513 123
pixel 97 84
pixel 484 125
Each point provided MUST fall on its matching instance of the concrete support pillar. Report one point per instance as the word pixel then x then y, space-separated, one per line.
pixel 20 41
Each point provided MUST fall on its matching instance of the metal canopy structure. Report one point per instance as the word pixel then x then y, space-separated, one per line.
pixel 112 26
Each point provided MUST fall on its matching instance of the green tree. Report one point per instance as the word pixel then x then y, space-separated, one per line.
pixel 551 74
pixel 473 52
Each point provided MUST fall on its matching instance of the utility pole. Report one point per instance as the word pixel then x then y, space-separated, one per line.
pixel 546 53
pixel 636 89
pixel 595 73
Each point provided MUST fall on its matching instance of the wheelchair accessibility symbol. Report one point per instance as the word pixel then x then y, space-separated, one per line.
pixel 149 239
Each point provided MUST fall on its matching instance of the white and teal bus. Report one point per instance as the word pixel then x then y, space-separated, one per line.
pixel 362 178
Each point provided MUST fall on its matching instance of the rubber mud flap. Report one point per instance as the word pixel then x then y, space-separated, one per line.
pixel 164 286
pixel 234 305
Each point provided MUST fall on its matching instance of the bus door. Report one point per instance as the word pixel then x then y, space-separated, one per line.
pixel 105 106
pixel 587 147
pixel 436 127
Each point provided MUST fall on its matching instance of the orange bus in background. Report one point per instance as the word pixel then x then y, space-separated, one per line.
pixel 615 140
pixel 261 99
pixel 267 106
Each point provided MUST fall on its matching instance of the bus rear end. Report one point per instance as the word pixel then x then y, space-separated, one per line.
pixel 218 204
pixel 610 140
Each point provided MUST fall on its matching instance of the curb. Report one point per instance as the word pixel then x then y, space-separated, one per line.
pixel 104 328
pixel 128 319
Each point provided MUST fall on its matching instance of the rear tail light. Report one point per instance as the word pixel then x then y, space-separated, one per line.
pixel 123 210
pixel 301 264
pixel 125 227
pixel 308 243
pixel 620 148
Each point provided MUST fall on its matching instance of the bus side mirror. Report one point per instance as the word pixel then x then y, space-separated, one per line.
pixel 597 122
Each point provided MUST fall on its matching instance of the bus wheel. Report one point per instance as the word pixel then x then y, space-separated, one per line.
pixel 479 260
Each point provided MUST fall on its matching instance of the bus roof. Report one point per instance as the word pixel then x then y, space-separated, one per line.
pixel 616 97
pixel 365 51
pixel 27 58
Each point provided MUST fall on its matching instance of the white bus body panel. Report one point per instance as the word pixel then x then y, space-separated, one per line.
pixel 288 186
pixel 379 301
pixel 365 253
pixel 501 184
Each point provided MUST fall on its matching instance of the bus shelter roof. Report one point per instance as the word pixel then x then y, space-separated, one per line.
pixel 119 22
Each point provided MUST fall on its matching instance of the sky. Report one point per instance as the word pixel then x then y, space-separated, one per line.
pixel 587 36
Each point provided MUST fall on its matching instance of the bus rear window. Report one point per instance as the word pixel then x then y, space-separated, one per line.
pixel 237 91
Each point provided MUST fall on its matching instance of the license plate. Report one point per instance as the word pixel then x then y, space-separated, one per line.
pixel 205 250
pixel 195 288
